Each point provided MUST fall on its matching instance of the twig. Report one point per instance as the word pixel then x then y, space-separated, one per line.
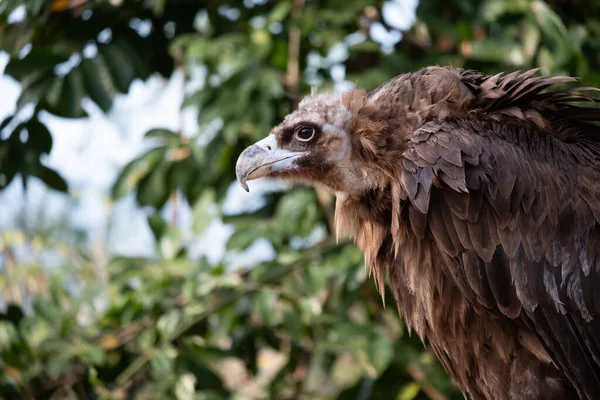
pixel 126 334
pixel 292 75
pixel 174 206
pixel 135 365
pixel 327 204
pixel 61 382
pixel 419 376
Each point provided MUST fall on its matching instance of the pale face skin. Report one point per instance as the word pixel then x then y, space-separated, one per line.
pixel 312 146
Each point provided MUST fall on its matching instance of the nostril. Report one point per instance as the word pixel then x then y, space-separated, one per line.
pixel 269 147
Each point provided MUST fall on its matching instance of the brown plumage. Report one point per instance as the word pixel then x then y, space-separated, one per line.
pixel 479 197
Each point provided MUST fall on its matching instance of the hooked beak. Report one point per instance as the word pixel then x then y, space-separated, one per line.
pixel 261 159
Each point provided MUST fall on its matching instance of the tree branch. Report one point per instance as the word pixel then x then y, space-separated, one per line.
pixel 419 376
pixel 292 76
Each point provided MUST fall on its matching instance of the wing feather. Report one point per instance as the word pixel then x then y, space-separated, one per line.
pixel 522 223
pixel 477 278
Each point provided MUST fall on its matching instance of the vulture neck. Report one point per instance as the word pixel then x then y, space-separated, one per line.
pixel 367 217
pixel 381 127
pixel 383 123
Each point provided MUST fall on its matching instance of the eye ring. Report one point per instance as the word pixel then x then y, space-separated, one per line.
pixel 305 133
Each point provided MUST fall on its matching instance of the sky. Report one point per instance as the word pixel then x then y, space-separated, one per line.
pixel 90 152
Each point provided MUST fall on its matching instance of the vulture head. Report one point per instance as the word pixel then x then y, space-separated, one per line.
pixel 314 145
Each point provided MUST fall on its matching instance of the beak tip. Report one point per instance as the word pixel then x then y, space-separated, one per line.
pixel 248 161
pixel 243 183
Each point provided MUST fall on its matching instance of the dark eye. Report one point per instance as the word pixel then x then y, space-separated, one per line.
pixel 305 133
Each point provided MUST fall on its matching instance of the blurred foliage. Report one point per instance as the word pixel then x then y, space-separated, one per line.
pixel 309 323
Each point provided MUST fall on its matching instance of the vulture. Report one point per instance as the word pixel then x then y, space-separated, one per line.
pixel 478 197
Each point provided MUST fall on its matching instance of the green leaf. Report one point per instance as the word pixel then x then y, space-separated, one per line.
pixel 168 323
pixel 267 307
pixel 35 61
pixel 13 314
pixel 409 391
pixel 119 65
pixel 164 135
pixel 162 365
pixel 203 361
pixel 158 6
pixel 71 95
pixel 39 136
pixel 548 20
pixel 241 239
pixel 91 354
pixel 147 340
pixel 34 88
pixel 47 310
pixel 545 60
pixel 5 122
pixel 208 395
pixel 297 212
pixel 228 318
pixel 499 51
pixel 182 170
pixel 158 226
pixel 135 171
pixel 280 11
pixel 380 352
pixel 201 216
pixel 492 10
pixel 346 371
pixel 141 66
pixel 8 169
pixel 52 178
pixel 185 387
pixel 170 244
pixel 153 189
pixel 53 94
pixel 97 82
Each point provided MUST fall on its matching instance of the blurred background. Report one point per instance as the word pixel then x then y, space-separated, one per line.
pixel 132 265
